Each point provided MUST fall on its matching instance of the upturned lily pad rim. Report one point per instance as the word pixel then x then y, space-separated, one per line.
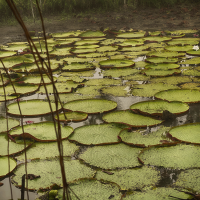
pixel 157 114
pixel 91 99
pixel 80 70
pixel 88 51
pixel 177 139
pixel 113 67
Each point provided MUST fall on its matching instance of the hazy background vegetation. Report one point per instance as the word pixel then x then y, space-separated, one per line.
pixel 55 7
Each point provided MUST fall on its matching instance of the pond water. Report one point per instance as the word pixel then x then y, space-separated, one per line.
pixel 169 176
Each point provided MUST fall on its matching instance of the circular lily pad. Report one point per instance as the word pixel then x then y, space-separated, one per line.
pixel 161 73
pixel 86 42
pixel 91 106
pixel 165 54
pixel 128 178
pixel 157 107
pixel 50 173
pixel 132 43
pixel 129 118
pixel 4 167
pixel 72 117
pixel 184 95
pixel 183 41
pixel 179 48
pixel 66 34
pixel 131 35
pixel 75 67
pixel 31 108
pixel 157 39
pixel 141 139
pixel 161 60
pixel 187 133
pixel 4 54
pixel 83 50
pixel 111 156
pixel 92 34
pixel 43 131
pixel 96 134
pixel 116 63
pixel 180 156
pixel 162 66
pixel 11 123
pixel 92 189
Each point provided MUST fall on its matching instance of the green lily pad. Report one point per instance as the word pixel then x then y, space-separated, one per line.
pixel 52 174
pixel 184 95
pixel 157 39
pixel 157 107
pixel 87 46
pixel 132 43
pixel 182 41
pixel 121 91
pixel 111 41
pixel 89 73
pixel 76 79
pixel 131 35
pixel 149 90
pixel 193 53
pixel 190 86
pixel 179 48
pixel 103 81
pixel 191 72
pixel 161 60
pixel 44 150
pixel 116 63
pixel 65 51
pixel 189 179
pixel 90 91
pixel 165 54
pixel 92 34
pixel 8 98
pixel 180 156
pixel 161 73
pixel 192 61
pixel 96 134
pixel 134 49
pixel 86 42
pixel 111 156
pixel 92 189
pixel 128 178
pixel 15 47
pixel 92 55
pixel 188 133
pixel 66 34
pixel 78 67
pixel 4 54
pixel 129 118
pixel 139 138
pixel 4 167
pixel 137 77
pixel 106 49
pixel 38 131
pixel 31 108
pixel 72 117
pixel 91 106
pixel 11 123
pixel 83 50
pixel 162 66
pixel 160 193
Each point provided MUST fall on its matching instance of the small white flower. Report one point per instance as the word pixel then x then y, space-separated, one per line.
pixel 196 47
pixel 20 51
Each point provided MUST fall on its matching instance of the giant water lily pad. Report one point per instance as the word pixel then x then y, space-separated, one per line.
pixel 8 98
pixel 134 49
pixel 184 95
pixel 43 131
pixel 133 43
pixel 92 34
pixel 165 54
pixel 4 166
pixel 161 73
pixel 189 179
pixel 90 91
pixel 180 156
pixel 97 134
pixel 66 34
pixel 161 60
pixel 65 51
pixel 187 133
pixel 111 156
pixel 131 35
pixel 179 48
pixel 148 90
pixel 160 193
pixel 191 72
pixel 116 63
pixel 133 179
pixel 157 39
pixel 129 118
pixel 183 41
pixel 91 105
pixel 192 61
pixel 4 54
pixel 141 139
pixel 50 173
pixel 86 42
pixel 41 150
pixel 83 50
pixel 157 107
pixel 16 47
pixel 162 66
pixel 103 81
pixel 78 67
pixel 31 108
pixel 92 189
pixel 120 91
pixel 11 123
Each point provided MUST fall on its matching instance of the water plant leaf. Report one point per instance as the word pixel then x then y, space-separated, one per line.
pixel 8 98
pixel 111 156
pixel 191 72
pixel 149 90
pixel 31 108
pixel 49 173
pixel 133 179
pixel 103 81
pixel 157 39
pixel 78 67
pixel 161 73
pixel 72 117
pixel 130 118
pixel 106 48
pixel 4 54
pixel 89 73
pixel 180 156
pixel 116 63
pixel 183 41
pixel 142 139
pixel 83 50
pixel 131 35
pixel 165 54
pixel 121 91
pixel 11 123
pixel 161 193
pixel 15 47
pixel 66 34
pixel 91 106
pixel 97 134
pixel 192 61
pixel 92 34
pixel 184 95
pixel 188 133
pixel 179 48
pixel 193 53
pixel 190 86
pixel 65 51
pixel 134 49
pixel 4 168
pixel 92 189
pixel 162 66
pixel 44 150
pixel 157 107
pixel 86 42
pixel 132 43
pixel 43 131
pixel 161 60
pixel 189 179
